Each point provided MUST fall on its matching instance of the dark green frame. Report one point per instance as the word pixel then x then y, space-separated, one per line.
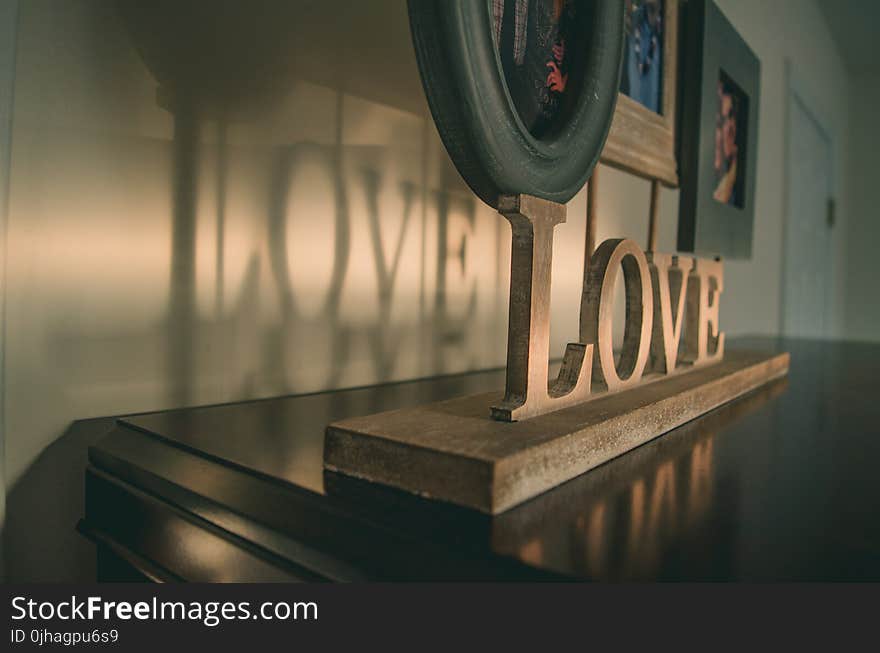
pixel 711 44
pixel 482 131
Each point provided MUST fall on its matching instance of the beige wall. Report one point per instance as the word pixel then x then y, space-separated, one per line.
pixel 8 21
pixel 279 275
pixel 286 282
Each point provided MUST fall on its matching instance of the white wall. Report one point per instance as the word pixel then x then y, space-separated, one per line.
pixel 780 30
pixel 100 319
pixel 863 262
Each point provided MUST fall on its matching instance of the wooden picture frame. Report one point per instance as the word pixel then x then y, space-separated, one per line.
pixel 472 105
pixel 720 100
pixel 641 141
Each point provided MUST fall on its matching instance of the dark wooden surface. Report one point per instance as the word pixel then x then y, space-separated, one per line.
pixel 781 484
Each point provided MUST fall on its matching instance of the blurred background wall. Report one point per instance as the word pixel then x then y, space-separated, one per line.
pixel 302 230
pixel 862 305
pixel 853 26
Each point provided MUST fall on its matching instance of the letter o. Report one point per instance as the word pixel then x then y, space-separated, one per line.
pixel 598 317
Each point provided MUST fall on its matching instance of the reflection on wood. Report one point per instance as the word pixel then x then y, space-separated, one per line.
pixel 700 486
pixel 649 499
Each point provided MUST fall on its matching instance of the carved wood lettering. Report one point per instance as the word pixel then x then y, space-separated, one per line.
pixel 669 278
pixel 671 316
pixel 598 318
pixel 703 342
pixel 528 392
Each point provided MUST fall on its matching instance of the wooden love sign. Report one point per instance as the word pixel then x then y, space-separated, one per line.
pixel 672 369
pixel 671 316
pixel 492 451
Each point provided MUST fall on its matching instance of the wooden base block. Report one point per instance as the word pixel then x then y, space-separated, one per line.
pixel 454 452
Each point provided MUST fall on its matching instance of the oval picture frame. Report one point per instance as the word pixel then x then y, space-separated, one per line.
pixel 479 125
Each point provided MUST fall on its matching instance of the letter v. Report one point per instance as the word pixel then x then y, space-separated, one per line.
pixel 668 318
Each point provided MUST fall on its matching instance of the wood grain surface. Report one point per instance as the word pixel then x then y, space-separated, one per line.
pixel 453 451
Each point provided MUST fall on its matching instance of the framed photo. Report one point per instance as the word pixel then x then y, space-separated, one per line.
pixel 720 96
pixel 642 137
pixel 522 91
